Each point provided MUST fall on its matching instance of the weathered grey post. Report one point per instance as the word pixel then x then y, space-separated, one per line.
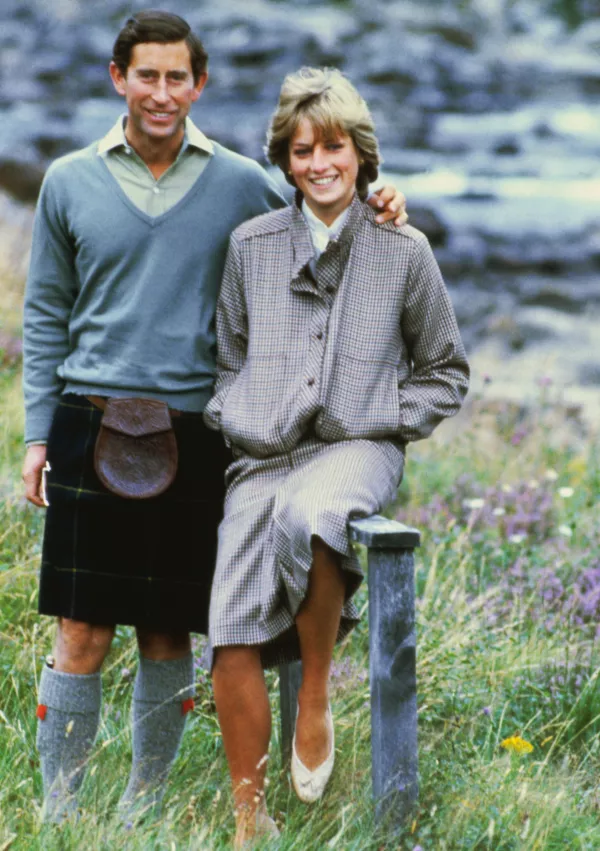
pixel 290 677
pixel 392 663
pixel 392 666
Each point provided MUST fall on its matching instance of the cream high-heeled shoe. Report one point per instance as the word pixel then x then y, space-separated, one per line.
pixel 310 785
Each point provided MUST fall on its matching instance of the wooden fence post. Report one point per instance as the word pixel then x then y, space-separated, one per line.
pixel 290 677
pixel 392 664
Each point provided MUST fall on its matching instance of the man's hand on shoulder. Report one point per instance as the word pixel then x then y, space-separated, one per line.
pixel 392 204
pixel 35 460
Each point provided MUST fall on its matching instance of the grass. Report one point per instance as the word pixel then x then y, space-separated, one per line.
pixel 508 583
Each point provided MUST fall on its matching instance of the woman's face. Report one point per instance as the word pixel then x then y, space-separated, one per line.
pixel 325 170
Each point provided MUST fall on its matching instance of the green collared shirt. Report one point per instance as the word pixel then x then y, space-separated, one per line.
pixel 154 197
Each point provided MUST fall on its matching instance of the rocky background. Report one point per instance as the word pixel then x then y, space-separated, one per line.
pixel 488 117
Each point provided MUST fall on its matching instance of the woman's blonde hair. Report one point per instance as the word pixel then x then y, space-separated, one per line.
pixel 331 104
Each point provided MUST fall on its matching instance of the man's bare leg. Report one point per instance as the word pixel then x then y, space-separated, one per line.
pixel 81 648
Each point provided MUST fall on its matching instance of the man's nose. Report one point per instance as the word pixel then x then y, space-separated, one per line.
pixel 161 91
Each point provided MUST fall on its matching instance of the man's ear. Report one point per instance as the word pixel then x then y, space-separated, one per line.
pixel 199 86
pixel 118 80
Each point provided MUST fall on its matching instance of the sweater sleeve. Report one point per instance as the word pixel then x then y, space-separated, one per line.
pixel 440 374
pixel 49 297
pixel 232 333
pixel 261 194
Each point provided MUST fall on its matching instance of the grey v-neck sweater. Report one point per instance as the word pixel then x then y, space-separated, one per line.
pixel 119 303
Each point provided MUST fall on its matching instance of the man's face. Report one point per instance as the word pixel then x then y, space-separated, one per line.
pixel 159 89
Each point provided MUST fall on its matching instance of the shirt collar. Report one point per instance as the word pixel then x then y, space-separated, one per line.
pixel 303 250
pixel 321 233
pixel 196 138
pixel 115 138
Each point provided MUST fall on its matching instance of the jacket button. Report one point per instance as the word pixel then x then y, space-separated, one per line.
pixel 320 335
pixel 310 382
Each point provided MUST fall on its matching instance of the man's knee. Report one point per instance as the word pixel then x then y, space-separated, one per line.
pixel 163 646
pixel 81 647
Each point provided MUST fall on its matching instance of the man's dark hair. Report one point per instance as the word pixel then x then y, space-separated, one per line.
pixel 164 28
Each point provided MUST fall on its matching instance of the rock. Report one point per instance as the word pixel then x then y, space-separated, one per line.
pixel 568 294
pixel 93 117
pixel 464 253
pixel 474 310
pixel 51 67
pixel 457 36
pixel 587 36
pixel 22 90
pixel 428 221
pixel 535 324
pixel 589 374
pixel 461 29
pixel 22 179
pixel 537 253
pixel 507 148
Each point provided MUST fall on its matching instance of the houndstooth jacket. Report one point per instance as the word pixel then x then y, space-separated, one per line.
pixel 367 348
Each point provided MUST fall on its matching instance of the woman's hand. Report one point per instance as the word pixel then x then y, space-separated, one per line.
pixel 392 204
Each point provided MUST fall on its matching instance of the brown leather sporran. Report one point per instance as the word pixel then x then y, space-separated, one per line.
pixel 136 451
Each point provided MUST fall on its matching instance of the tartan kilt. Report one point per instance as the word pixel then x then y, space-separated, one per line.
pixel 109 560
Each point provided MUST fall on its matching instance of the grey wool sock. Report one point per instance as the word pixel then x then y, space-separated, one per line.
pixel 68 716
pixel 162 697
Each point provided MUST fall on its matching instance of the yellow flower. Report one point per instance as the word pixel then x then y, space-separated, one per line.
pixel 515 744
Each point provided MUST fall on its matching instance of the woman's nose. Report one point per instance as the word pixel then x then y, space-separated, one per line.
pixel 320 160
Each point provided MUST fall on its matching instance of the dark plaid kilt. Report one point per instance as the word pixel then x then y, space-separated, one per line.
pixel 108 560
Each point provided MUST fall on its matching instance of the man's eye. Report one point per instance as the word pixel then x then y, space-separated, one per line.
pixel 302 152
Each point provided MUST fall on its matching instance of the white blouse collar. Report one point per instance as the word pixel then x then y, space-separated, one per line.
pixel 321 233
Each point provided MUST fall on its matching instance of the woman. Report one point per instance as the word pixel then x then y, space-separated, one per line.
pixel 337 346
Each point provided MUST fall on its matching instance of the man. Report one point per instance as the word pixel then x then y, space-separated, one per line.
pixel 128 249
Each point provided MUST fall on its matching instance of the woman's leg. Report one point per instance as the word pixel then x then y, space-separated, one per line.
pixel 244 714
pixel 318 621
